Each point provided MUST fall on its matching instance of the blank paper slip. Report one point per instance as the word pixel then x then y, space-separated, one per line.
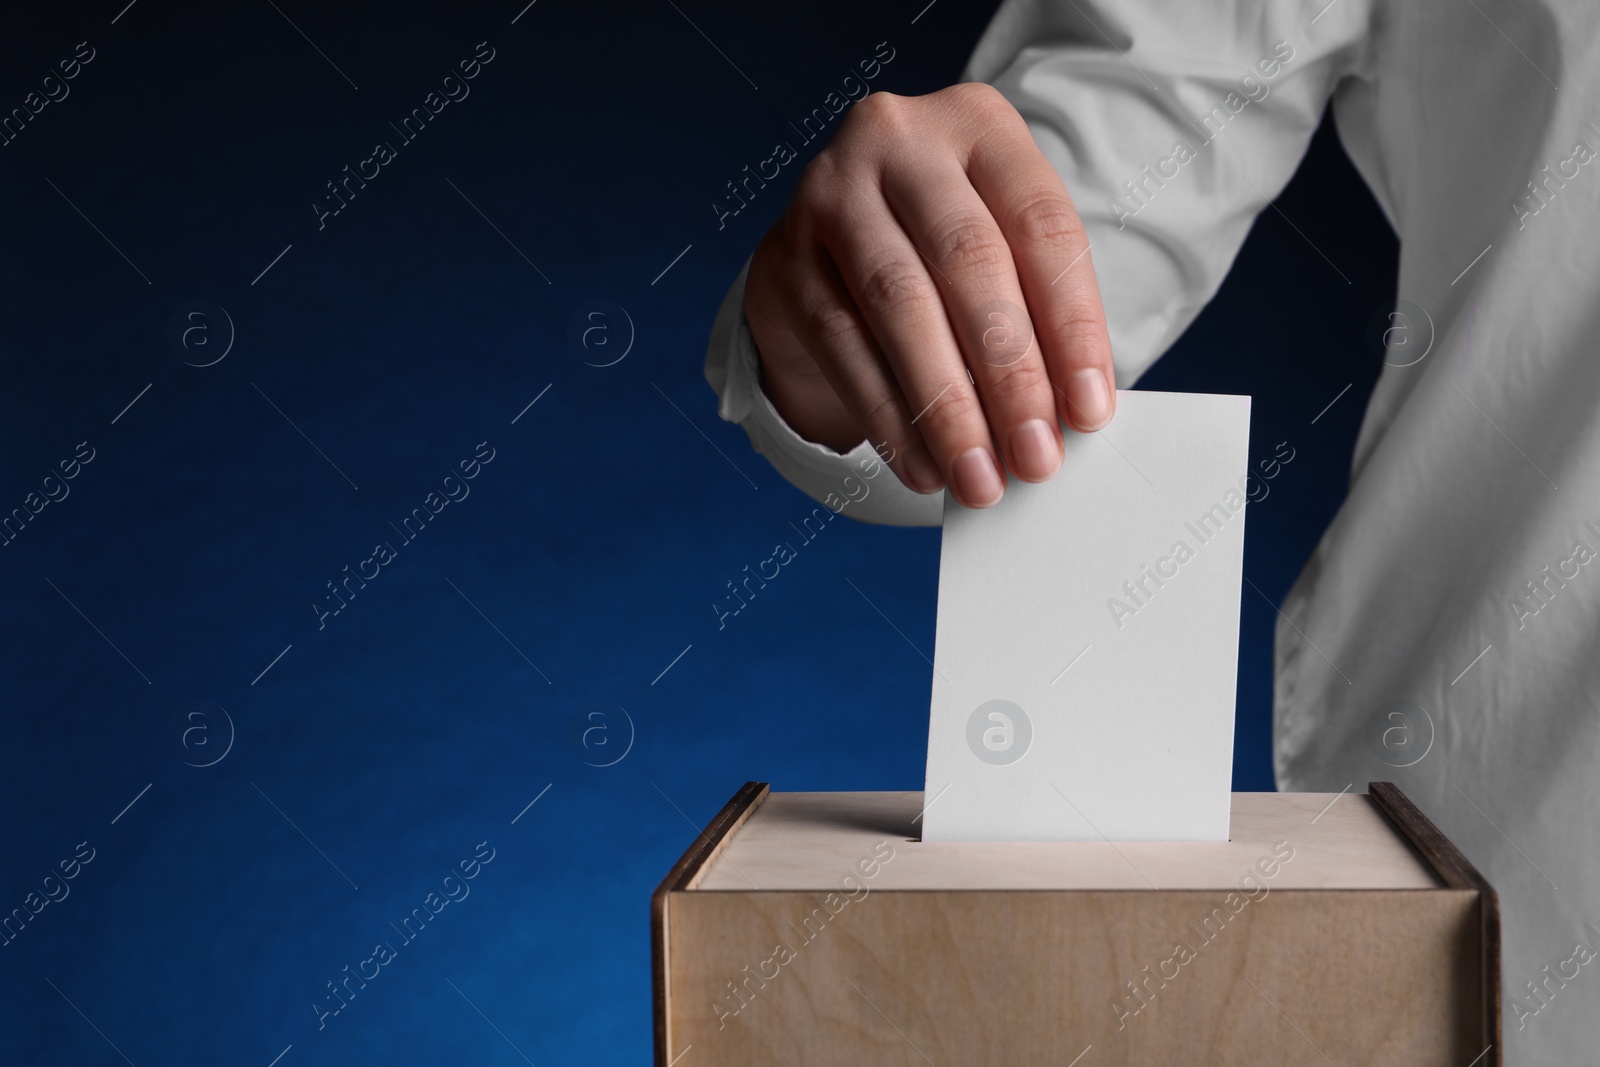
pixel 1088 637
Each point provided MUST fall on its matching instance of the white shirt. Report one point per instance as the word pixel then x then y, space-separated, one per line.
pixel 1459 584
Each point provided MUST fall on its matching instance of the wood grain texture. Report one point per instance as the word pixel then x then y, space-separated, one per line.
pixel 682 876
pixel 1375 944
pixel 1372 978
pixel 1457 871
pixel 806 840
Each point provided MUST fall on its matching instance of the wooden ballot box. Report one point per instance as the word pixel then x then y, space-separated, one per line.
pixel 817 929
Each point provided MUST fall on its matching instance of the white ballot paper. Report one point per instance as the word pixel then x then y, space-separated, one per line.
pixel 1088 637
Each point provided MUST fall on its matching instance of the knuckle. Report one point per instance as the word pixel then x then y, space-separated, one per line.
pixel 1021 381
pixel 832 325
pixel 951 418
pixel 978 96
pixel 879 104
pixel 1047 219
pixel 886 415
pixel 880 112
pixel 971 244
pixel 1075 319
pixel 898 285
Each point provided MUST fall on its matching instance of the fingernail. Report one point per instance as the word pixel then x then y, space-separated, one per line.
pixel 1034 450
pixel 1089 399
pixel 922 472
pixel 976 477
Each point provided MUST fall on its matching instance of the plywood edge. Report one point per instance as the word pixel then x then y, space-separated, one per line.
pixel 683 875
pixel 1457 872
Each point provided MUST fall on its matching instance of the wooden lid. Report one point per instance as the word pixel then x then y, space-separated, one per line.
pixel 811 841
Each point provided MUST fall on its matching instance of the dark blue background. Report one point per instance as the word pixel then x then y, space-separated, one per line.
pixel 407 331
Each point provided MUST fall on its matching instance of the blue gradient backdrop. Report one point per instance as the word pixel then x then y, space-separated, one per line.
pixel 457 687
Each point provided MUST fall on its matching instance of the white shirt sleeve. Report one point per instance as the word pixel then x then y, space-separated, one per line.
pixel 1172 124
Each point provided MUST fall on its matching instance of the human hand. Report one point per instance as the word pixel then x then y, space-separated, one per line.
pixel 930 239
